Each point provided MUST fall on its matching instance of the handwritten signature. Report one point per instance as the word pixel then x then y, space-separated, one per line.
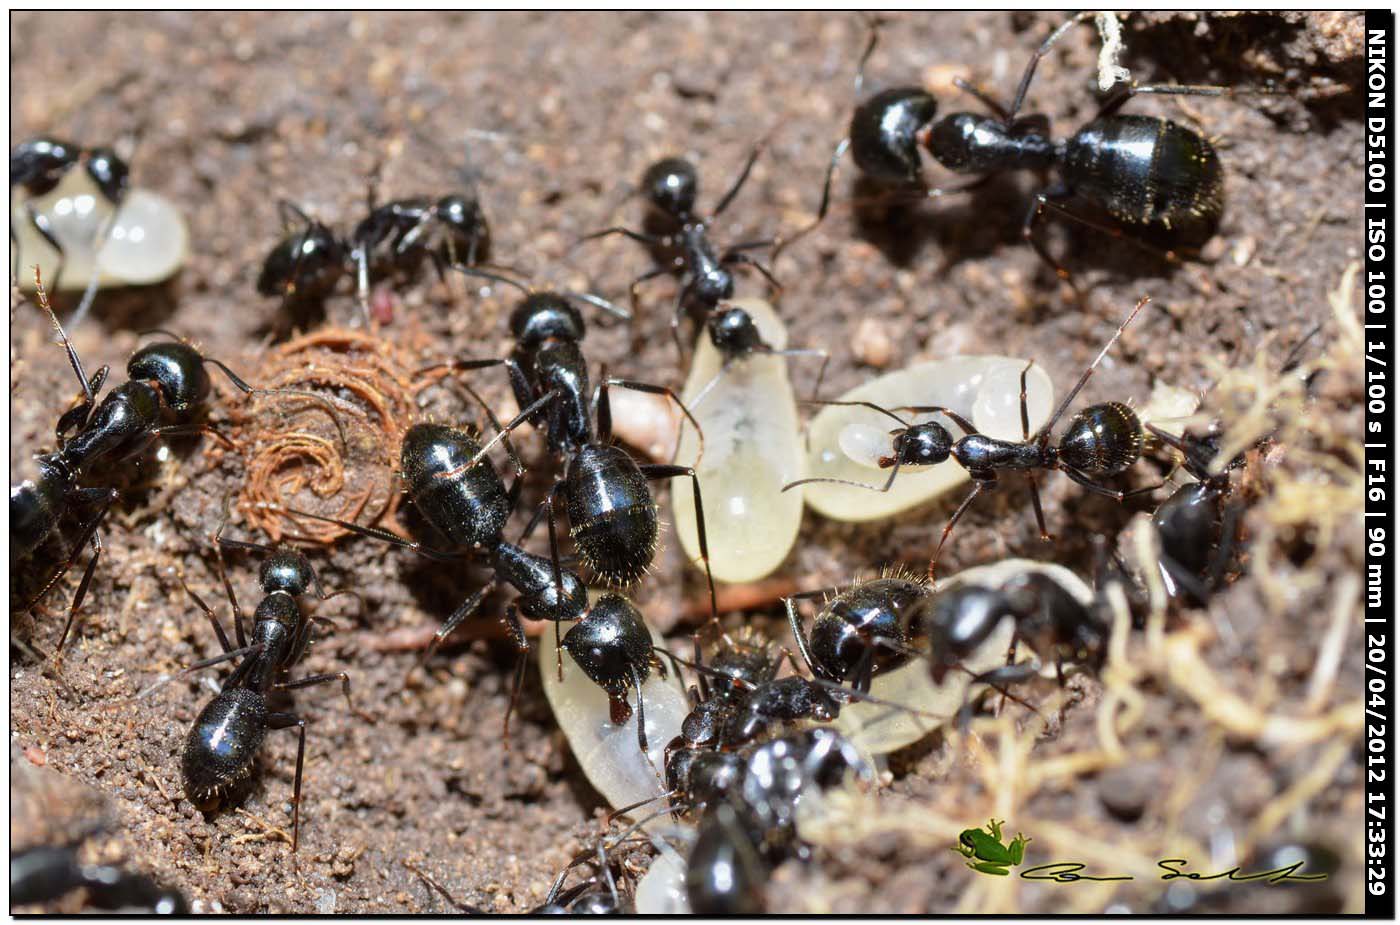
pixel 1068 872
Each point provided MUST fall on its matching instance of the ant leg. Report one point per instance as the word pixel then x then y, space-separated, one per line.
pixel 502 434
pixel 1041 203
pixel 741 180
pixel 996 678
pixel 314 679
pixel 213 620
pixel 781 243
pixel 228 589
pixel 89 534
pixel 1086 481
pixel 798 635
pixel 454 620
pixel 641 712
pixel 677 314
pixel 1089 370
pixel 1035 503
pixel 361 258
pixel 286 721
pixel 977 489
pixel 522 648
pixel 1039 53
pixel 1044 203
pixel 951 415
pixel 733 257
pixel 605 409
pixel 662 471
pixel 632 288
pixel 1116 101
pixel 637 236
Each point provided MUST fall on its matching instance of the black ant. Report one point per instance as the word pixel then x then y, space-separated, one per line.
pixel 450 231
pixel 612 515
pixel 308 264
pixel 671 186
pixel 1053 622
pixel 751 828
pixel 470 508
pixel 49 872
pixel 1100 441
pixel 166 380
pixel 598 895
pixel 223 743
pixel 40 164
pixel 1150 175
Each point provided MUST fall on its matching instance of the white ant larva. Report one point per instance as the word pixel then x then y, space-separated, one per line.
pixel 752 448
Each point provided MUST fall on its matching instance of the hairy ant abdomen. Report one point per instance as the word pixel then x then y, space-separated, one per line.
pixel 223 743
pixel 612 513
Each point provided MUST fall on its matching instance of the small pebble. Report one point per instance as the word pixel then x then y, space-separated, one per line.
pixel 1125 791
pixel 872 344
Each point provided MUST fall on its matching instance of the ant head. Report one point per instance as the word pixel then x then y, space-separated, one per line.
pixel 109 172
pixel 286 569
pixel 462 213
pixel 671 185
pixel 543 316
pixel 178 371
pixel 38 164
pixel 307 263
pixel 926 444
pixel 958 622
pixel 610 644
pixel 885 130
pixel 733 332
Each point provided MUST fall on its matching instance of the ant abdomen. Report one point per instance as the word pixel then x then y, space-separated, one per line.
pixel 611 513
pixel 842 634
pixel 1180 185
pixel 470 509
pixel 223 743
pixel 1102 439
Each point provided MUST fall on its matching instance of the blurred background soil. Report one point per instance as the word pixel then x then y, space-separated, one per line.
pixel 552 118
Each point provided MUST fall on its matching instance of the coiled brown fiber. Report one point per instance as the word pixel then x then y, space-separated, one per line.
pixel 296 456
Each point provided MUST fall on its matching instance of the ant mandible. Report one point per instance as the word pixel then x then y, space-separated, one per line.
pixel 1100 441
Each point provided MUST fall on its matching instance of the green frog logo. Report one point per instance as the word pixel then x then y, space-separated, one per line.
pixel 986 853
